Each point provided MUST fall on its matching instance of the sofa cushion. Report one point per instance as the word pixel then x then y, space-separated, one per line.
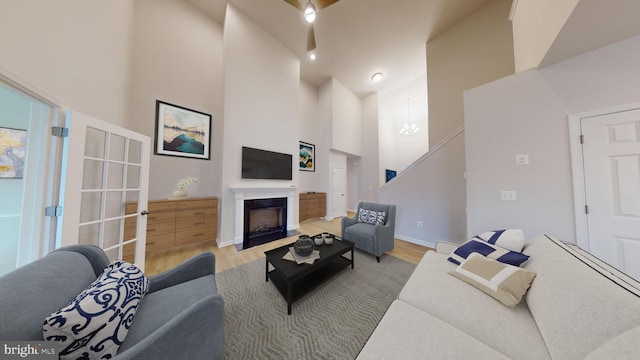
pixel 510 331
pixel 96 322
pixel 576 308
pixel 160 308
pixel 625 346
pixel 488 250
pixel 38 289
pixel 406 332
pixel 510 239
pixel 506 283
pixel 362 235
pixel 371 217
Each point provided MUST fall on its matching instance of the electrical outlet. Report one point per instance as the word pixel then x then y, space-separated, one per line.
pixel 419 224
pixel 507 195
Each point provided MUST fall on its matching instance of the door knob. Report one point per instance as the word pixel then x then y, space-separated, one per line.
pixel 144 212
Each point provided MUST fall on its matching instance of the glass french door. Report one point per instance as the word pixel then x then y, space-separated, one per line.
pixel 104 194
pixel 27 180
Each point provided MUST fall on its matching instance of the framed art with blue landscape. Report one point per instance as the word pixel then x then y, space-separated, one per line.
pixel 307 156
pixel 182 132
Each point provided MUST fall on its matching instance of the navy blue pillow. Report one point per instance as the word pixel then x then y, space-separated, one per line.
pixel 488 250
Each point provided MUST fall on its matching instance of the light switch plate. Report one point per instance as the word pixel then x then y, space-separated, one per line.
pixel 522 159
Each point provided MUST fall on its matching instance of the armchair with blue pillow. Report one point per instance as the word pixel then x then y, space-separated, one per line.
pixel 119 312
pixel 372 229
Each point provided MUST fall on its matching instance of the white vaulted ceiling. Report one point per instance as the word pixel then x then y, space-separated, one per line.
pixel 356 38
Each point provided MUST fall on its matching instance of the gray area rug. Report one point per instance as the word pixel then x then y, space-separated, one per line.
pixel 333 321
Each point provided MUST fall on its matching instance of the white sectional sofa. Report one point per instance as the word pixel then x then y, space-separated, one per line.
pixel 576 308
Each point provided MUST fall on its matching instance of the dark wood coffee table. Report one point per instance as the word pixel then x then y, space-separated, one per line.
pixel 295 280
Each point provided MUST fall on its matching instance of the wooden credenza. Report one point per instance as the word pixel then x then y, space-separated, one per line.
pixel 312 205
pixel 173 223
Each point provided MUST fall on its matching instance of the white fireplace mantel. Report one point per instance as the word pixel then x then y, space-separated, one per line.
pixel 242 193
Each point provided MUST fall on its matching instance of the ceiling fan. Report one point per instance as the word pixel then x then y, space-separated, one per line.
pixel 309 11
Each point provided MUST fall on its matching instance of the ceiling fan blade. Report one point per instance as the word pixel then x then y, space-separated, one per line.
pixel 311 39
pixel 321 4
pixel 295 3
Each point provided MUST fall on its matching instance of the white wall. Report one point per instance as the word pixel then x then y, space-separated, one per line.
pixel 77 51
pixel 177 58
pixel 536 24
pixel 473 52
pixel 477 50
pixel 431 191
pixel 527 114
pixel 310 132
pixel 395 111
pixel 369 170
pixel 346 120
pixel 262 106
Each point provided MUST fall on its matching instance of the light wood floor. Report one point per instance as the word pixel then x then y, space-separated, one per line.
pixel 229 257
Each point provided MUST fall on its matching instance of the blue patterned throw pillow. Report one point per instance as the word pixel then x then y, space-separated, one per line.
pixel 489 250
pixel 510 239
pixel 372 217
pixel 96 322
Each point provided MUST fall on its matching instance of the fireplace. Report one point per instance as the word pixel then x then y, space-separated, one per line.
pixel 265 220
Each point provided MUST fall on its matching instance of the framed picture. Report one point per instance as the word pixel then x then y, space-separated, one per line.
pixel 13 151
pixel 390 174
pixel 182 132
pixel 307 157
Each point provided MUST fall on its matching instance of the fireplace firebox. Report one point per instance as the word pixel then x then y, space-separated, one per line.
pixel 265 220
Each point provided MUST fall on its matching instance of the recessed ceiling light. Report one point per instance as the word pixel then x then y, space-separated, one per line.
pixel 312 56
pixel 377 77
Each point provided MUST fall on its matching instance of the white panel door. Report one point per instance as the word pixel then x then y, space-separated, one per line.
pixel 611 153
pixel 339 190
pixel 105 186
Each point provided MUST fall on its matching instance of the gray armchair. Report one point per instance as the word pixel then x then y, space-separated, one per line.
pixel 374 239
pixel 181 317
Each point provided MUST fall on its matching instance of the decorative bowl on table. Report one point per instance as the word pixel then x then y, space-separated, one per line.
pixel 304 245
pixel 328 239
pixel 319 240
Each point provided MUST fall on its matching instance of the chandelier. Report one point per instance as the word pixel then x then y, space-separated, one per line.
pixel 409 129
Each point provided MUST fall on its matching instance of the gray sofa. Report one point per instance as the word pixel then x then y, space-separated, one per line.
pixel 181 317
pixel 576 308
pixel 374 239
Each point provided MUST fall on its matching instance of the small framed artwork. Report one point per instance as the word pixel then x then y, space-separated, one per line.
pixel 389 174
pixel 13 151
pixel 307 157
pixel 182 132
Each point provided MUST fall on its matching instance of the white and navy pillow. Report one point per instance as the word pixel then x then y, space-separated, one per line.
pixel 504 282
pixel 96 322
pixel 510 239
pixel 372 217
pixel 489 250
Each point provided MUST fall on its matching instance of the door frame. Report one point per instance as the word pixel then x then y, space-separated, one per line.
pixel 51 190
pixel 577 167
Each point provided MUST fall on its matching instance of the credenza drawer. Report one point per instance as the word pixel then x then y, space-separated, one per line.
pixel 161 228
pixel 193 223
pixel 160 216
pixel 160 206
pixel 197 204
pixel 159 242
pixel 194 235
pixel 190 213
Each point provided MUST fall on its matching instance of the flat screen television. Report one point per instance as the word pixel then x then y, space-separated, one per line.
pixel 264 164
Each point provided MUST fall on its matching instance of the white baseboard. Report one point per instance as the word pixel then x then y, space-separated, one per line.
pixel 225 243
pixel 415 241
